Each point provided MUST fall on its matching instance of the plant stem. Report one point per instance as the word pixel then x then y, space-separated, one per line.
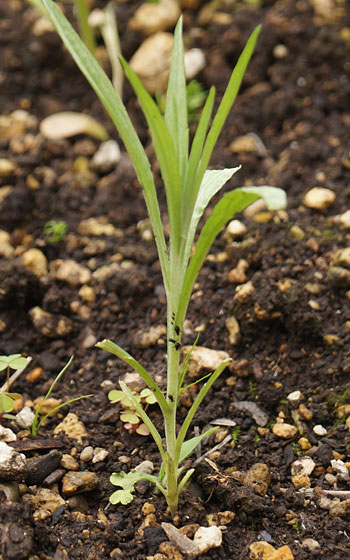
pixel 85 30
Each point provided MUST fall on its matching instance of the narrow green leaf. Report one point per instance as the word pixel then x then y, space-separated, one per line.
pixel 35 429
pixel 196 152
pixel 225 209
pixel 199 398
pixel 212 182
pixel 190 445
pixel 176 106
pixel 274 197
pixel 185 363
pixel 226 103
pixel 113 348
pixel 110 34
pixel 165 151
pixel 117 111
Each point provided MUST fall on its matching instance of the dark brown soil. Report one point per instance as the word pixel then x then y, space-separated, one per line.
pixel 298 106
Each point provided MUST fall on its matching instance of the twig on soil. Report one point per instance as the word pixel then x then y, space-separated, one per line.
pixel 215 448
pixel 338 493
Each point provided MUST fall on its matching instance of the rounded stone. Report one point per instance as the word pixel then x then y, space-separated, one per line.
pixel 284 431
pixel 319 198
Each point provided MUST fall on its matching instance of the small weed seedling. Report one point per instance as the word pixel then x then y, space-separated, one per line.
pixel 55 231
pixel 36 422
pixel 7 399
pixel 189 187
pixel 130 416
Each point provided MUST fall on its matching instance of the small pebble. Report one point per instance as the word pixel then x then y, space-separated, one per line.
pixel 144 467
pixel 319 430
pixel 77 482
pixel 25 417
pixel 311 545
pixel 106 157
pixel 284 431
pixel 319 198
pixel 68 462
pixel 87 454
pixel 100 455
pixel 295 396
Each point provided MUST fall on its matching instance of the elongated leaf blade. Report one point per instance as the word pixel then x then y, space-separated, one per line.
pixel 196 152
pixel 176 106
pixel 113 348
pixel 191 444
pixel 212 182
pixel 227 102
pixel 116 110
pixel 199 398
pixel 231 203
pixel 164 148
pixel 274 197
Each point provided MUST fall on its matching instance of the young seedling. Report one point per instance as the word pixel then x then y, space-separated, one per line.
pixel 55 231
pixel 189 188
pixel 38 423
pixel 7 399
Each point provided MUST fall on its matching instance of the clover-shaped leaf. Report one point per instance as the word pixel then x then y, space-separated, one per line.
pixel 14 361
pixel 118 396
pixel 6 403
pixel 130 416
pixel 148 396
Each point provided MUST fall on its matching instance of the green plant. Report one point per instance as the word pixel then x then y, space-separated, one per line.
pixel 13 361
pixel 189 187
pixel 196 96
pixel 55 231
pixel 36 423
pixel 130 416
pixel 236 432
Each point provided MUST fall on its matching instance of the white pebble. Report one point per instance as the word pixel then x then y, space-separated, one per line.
pixel 295 396
pixel 319 430
pixel 25 417
pixel 99 455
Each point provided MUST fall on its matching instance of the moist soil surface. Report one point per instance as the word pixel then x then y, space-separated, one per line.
pixel 294 327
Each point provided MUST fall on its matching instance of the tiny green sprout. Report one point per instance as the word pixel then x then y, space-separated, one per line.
pixel 235 435
pixel 36 423
pixel 190 187
pixel 252 389
pixel 55 231
pixel 196 96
